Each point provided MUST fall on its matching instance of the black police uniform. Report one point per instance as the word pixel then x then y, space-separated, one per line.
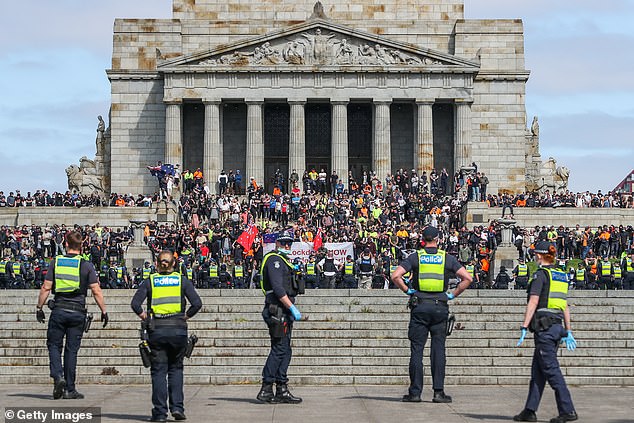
pixel 67 320
pixel 428 317
pixel 168 343
pixel 277 282
pixel 627 266
pixel 545 367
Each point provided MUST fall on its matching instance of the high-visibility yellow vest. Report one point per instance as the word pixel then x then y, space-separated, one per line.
pixel 16 268
pixel 262 273
pixel 67 274
pixel 119 272
pixel 431 271
pixel 213 271
pixel 166 293
pixel 3 267
pixel 580 275
pixel 471 270
pixel 392 268
pixel 190 273
pixel 238 271
pixel 522 270
pixel 147 271
pixel 606 268
pixel 629 267
pixel 558 292
pixel 617 272
pixel 349 268
pixel 310 268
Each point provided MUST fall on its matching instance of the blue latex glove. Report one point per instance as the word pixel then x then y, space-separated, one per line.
pixel 296 314
pixel 450 296
pixel 524 331
pixel 571 344
pixel 410 291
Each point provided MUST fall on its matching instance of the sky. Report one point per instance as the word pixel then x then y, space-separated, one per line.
pixel 53 85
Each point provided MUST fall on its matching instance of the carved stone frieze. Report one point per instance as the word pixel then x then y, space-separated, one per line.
pixel 319 48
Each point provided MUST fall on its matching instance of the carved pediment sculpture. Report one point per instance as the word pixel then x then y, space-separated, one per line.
pixel 319 48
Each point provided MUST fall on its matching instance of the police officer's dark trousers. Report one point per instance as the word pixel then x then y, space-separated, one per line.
pixel 545 368
pixel 276 367
pixel 69 324
pixel 628 282
pixel 168 345
pixel 428 317
pixel 350 282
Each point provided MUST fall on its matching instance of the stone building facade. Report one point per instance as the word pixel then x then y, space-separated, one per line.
pixel 347 85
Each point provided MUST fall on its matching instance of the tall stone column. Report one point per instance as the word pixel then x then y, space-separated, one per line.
pixel 173 133
pixel 255 142
pixel 462 147
pixel 340 139
pixel 212 148
pixel 424 137
pixel 297 138
pixel 381 149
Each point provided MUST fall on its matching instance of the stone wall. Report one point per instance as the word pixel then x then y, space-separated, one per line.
pixel 480 214
pixel 498 110
pixel 69 216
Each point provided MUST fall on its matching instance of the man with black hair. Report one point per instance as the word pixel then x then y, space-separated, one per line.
pixel 431 268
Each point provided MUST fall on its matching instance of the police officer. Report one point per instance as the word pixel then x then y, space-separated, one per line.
pixel 431 269
pixel 312 273
pixel 165 293
pixel 349 271
pixel 548 316
pixel 366 265
pixel 3 274
pixel 627 264
pixel 521 274
pixel 604 270
pixel 617 273
pixel 226 281
pixel 279 313
pixel 238 275
pixel 68 277
pixel 213 275
pixel 580 276
pixel 148 269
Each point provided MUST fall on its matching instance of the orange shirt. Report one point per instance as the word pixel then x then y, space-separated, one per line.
pixel 120 202
pixel 198 175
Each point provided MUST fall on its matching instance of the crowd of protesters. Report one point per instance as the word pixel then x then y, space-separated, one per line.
pixel 382 219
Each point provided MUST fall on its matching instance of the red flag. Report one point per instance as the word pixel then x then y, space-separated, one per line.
pixel 247 237
pixel 318 242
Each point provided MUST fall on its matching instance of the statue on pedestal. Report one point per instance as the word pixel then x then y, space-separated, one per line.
pixel 91 176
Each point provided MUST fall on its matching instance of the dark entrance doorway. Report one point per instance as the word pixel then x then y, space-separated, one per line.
pixel 359 139
pixel 443 117
pixel 402 136
pixel 276 138
pixel 234 139
pixel 193 137
pixel 318 137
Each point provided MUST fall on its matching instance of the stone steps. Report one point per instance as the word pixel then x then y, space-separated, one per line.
pixel 349 337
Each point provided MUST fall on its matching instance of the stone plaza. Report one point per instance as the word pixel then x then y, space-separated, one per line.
pixel 339 86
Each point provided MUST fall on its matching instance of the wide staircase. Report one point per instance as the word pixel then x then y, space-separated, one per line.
pixel 346 337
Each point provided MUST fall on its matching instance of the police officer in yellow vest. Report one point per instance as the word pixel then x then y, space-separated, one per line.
pixel 312 273
pixel 3 274
pixel 580 276
pixel 166 292
pixel 238 275
pixel 68 277
pixel 604 271
pixel 148 269
pixel 522 275
pixel 617 273
pixel 431 269
pixel 627 264
pixel 277 282
pixel 349 272
pixel 548 316
pixel 472 270
pixel 213 274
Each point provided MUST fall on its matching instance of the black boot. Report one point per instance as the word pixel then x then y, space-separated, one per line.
pixel 441 397
pixel 526 416
pixel 284 396
pixel 266 393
